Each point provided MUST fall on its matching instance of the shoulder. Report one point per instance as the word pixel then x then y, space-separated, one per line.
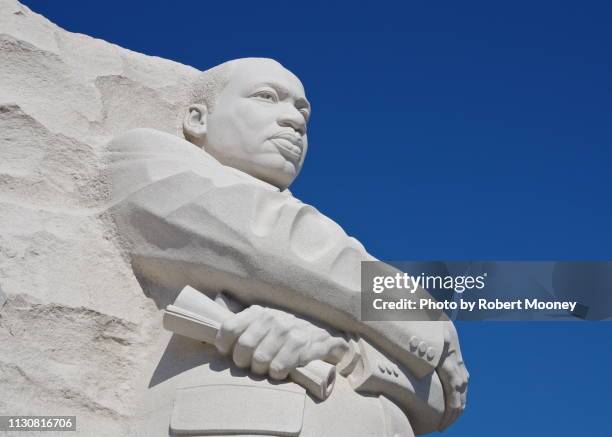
pixel 150 141
pixel 154 148
pixel 140 157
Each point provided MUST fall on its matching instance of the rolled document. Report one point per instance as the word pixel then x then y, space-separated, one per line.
pixel 196 316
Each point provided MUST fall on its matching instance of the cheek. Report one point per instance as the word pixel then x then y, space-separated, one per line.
pixel 304 152
pixel 253 121
pixel 222 130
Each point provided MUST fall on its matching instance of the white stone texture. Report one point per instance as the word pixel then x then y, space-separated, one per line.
pixel 76 330
pixel 78 334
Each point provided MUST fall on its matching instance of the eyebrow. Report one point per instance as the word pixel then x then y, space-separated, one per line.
pixel 302 101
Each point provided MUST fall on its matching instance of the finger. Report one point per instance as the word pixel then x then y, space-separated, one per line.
pixel 450 410
pixel 466 376
pixel 265 351
pixel 247 343
pixel 336 349
pixel 445 418
pixel 458 409
pixel 447 413
pixel 331 349
pixel 452 413
pixel 233 327
pixel 447 403
pixel 285 361
pixel 450 418
pixel 459 384
pixel 450 394
pixel 455 416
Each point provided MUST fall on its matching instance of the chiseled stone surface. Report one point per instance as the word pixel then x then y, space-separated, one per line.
pixel 76 330
pixel 81 333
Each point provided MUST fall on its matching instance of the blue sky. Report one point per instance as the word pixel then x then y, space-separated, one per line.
pixel 440 130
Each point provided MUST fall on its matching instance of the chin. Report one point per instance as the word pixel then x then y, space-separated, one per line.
pixel 276 171
pixel 279 179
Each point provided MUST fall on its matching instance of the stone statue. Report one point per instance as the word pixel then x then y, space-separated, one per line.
pixel 213 211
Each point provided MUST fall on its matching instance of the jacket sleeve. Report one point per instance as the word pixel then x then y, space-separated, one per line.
pixel 222 233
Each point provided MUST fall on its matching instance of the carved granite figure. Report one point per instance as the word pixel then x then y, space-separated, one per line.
pixel 214 212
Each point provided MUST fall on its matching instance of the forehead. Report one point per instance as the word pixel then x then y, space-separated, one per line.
pixel 252 73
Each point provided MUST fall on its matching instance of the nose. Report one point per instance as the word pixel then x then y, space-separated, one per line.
pixel 291 117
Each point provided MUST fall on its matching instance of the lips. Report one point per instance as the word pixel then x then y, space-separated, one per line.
pixel 290 146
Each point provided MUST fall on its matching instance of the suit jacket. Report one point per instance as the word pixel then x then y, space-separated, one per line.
pixel 189 220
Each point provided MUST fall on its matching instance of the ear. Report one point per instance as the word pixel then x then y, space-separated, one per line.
pixel 194 122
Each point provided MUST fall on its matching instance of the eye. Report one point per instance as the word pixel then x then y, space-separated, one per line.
pixel 266 95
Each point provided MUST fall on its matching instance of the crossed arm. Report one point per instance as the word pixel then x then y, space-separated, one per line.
pixel 217 232
pixel 274 342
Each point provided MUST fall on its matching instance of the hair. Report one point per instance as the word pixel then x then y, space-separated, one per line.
pixel 209 83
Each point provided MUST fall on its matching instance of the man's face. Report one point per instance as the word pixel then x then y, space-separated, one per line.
pixel 258 124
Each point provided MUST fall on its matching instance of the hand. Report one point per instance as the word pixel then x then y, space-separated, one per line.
pixel 454 377
pixel 274 342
